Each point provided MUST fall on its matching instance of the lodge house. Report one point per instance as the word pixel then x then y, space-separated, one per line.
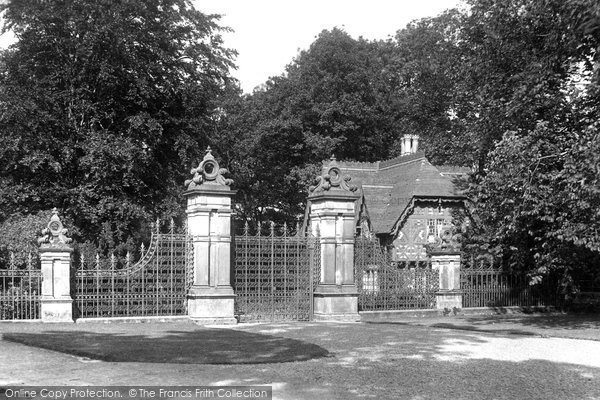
pixel 406 202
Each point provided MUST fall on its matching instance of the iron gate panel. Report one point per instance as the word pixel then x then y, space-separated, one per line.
pixel 484 283
pixel 20 290
pixel 274 276
pixel 156 285
pixel 386 285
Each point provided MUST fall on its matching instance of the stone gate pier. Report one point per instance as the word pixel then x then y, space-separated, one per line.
pixel 332 216
pixel 209 212
pixel 55 257
pixel 445 258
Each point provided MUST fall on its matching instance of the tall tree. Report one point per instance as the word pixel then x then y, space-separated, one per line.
pixel 428 70
pixel 332 99
pixel 537 197
pixel 105 106
pixel 517 57
pixel 468 76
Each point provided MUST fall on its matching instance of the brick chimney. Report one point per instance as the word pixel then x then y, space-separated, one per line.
pixel 409 144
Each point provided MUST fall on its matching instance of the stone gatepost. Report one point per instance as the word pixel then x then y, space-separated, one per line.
pixel 445 258
pixel 332 215
pixel 209 212
pixel 55 256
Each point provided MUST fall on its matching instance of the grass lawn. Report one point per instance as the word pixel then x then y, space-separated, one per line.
pixel 181 346
pixel 305 360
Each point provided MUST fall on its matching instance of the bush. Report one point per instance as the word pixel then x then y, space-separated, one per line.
pixel 20 234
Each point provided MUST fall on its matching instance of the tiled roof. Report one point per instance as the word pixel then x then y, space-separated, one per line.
pixel 388 186
pixel 448 170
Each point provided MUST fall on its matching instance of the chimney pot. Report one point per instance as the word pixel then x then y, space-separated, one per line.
pixel 409 144
pixel 415 144
pixel 406 141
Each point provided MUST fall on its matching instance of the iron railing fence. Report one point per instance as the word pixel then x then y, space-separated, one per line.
pixel 485 282
pixel 589 284
pixel 275 274
pixel 156 285
pixel 20 289
pixel 386 285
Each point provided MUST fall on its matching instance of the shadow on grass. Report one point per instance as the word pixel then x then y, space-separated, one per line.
pixel 478 329
pixel 207 346
pixel 460 327
pixel 579 326
pixel 464 327
pixel 541 321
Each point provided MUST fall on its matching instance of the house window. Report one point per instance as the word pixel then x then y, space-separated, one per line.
pixel 434 227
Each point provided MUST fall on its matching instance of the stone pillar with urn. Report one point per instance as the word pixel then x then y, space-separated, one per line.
pixel 209 212
pixel 332 216
pixel 55 256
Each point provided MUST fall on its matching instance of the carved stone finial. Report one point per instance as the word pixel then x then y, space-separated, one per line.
pixel 332 179
pixel 55 234
pixel 208 173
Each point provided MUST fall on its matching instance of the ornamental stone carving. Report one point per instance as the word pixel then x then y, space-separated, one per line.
pixel 54 235
pixel 208 172
pixel 332 180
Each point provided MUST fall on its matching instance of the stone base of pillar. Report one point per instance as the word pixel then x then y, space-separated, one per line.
pixel 449 299
pixel 337 303
pixel 56 310
pixel 207 306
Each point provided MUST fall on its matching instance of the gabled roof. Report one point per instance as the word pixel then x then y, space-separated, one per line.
pixel 388 187
pixel 453 170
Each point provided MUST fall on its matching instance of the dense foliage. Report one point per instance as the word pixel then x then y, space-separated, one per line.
pixel 104 107
pixel 333 99
pixel 537 195
pixel 507 87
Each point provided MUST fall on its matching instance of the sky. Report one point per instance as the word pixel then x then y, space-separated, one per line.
pixel 270 33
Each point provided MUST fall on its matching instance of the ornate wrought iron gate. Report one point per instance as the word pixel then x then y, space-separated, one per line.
pixel 384 285
pixel 275 275
pixel 20 290
pixel 485 284
pixel 156 285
